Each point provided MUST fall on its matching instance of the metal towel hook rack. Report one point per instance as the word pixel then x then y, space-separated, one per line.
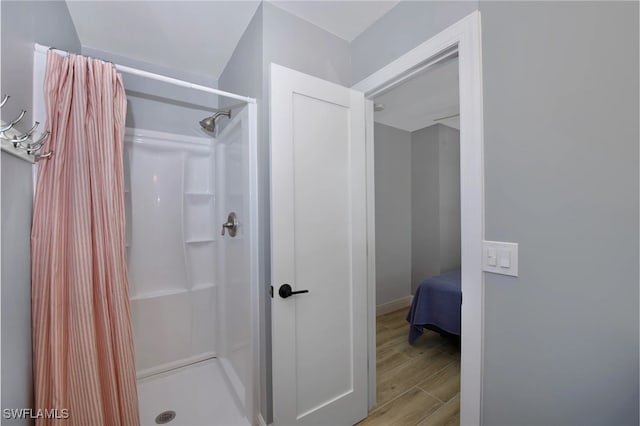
pixel 19 141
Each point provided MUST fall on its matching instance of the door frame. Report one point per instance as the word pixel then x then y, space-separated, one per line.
pixel 463 37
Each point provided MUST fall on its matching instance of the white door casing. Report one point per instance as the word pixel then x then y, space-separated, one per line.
pixel 318 243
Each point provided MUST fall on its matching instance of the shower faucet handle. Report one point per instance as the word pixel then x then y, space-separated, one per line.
pixel 231 225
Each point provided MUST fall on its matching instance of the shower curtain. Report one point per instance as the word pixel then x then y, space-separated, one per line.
pixel 82 340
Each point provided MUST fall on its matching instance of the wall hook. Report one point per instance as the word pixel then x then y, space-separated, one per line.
pixel 4 100
pixel 44 156
pixel 33 147
pixel 13 123
pixel 16 140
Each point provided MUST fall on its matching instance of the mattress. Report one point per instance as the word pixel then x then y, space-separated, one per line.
pixel 437 303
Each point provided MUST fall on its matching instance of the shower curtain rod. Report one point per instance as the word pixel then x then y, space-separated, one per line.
pixel 159 77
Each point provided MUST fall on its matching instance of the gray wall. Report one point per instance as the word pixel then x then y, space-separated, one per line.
pixel 400 30
pixel 243 72
pixel 561 177
pixel 17 384
pixel 435 201
pixel 23 24
pixel 425 205
pixel 158 106
pixel 392 152
pixel 300 45
pixel 449 196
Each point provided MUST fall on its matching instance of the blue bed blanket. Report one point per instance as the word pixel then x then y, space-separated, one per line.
pixel 437 302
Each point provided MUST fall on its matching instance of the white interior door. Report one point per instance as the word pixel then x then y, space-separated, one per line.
pixel 318 237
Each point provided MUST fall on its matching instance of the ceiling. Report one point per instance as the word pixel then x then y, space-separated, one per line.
pixel 200 36
pixel 345 19
pixel 416 103
pixel 195 36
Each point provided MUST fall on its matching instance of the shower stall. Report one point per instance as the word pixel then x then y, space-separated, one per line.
pixel 191 238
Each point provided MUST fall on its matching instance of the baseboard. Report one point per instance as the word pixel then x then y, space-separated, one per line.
pixel 394 305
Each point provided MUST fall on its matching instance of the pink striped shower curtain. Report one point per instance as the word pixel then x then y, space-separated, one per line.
pixel 83 358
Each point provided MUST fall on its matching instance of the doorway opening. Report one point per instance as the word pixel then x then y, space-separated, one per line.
pixel 417 225
pixel 462 39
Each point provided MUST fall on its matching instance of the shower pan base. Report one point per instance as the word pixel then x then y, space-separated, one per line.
pixel 197 393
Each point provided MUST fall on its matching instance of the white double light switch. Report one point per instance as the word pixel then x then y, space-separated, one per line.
pixel 500 258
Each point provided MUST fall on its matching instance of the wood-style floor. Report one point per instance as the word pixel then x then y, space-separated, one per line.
pixel 419 384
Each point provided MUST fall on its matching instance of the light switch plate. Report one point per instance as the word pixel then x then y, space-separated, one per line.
pixel 500 258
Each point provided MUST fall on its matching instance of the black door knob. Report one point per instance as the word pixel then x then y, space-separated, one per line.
pixel 285 291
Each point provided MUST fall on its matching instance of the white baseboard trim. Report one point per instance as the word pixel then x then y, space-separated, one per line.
pixel 394 305
pixel 261 421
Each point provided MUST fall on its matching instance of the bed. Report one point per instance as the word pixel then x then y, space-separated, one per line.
pixel 436 306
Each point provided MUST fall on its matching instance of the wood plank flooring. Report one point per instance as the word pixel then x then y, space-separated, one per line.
pixel 419 384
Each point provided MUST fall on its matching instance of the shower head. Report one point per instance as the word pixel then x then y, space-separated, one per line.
pixel 209 123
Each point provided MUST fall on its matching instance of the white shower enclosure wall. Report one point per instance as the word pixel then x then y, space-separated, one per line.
pixel 193 290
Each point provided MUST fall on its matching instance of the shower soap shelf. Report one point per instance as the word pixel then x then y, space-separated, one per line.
pixel 198 194
pixel 199 240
